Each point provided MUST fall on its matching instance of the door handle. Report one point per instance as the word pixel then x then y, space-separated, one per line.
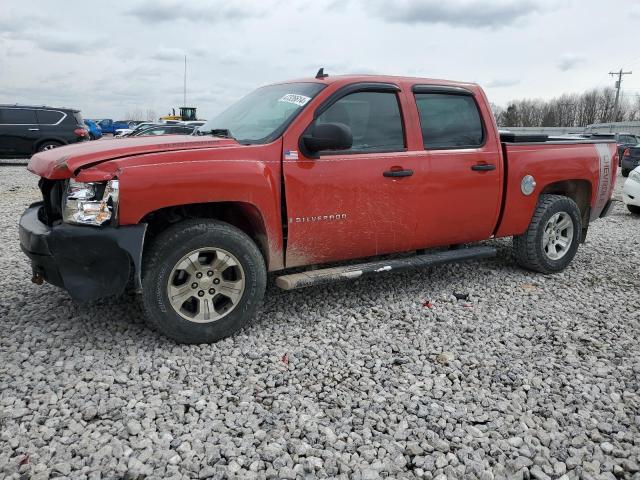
pixel 483 167
pixel 34 129
pixel 398 173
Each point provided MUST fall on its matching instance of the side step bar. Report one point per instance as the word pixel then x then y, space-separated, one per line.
pixel 328 275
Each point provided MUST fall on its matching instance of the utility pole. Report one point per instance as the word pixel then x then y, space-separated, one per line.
pixel 618 86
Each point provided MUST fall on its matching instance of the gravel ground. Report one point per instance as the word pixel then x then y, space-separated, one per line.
pixel 532 377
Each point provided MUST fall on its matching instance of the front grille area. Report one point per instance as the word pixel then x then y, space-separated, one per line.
pixel 52 191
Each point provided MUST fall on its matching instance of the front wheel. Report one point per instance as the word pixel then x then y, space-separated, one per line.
pixel 625 172
pixel 552 239
pixel 202 281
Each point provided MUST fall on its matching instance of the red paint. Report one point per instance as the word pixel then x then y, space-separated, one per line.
pixel 444 202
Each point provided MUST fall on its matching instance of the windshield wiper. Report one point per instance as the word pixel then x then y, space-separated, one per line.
pixel 222 133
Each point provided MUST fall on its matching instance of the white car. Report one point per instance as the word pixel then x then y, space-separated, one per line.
pixel 123 132
pixel 631 191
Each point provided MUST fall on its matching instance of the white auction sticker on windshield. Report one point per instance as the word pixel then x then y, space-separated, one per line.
pixel 296 99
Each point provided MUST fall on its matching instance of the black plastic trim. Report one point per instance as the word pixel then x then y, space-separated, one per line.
pixel 445 89
pixel 354 88
pixel 558 142
pixel 88 262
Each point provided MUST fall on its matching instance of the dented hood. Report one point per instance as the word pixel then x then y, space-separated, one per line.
pixel 64 161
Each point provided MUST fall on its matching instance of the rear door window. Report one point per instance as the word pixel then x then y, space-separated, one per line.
pixel 49 117
pixel 19 116
pixel 449 121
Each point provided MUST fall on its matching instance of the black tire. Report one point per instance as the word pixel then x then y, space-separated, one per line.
pixel 165 252
pixel 634 209
pixel 528 248
pixel 625 172
pixel 48 145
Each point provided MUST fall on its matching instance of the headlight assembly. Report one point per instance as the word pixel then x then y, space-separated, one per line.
pixel 90 203
pixel 635 175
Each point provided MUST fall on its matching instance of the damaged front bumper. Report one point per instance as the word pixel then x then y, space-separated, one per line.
pixel 88 262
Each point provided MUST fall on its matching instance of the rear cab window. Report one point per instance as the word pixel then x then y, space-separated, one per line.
pixel 374 118
pixel 449 120
pixel 628 139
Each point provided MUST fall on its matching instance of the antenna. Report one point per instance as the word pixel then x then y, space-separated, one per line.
pixel 185 82
pixel 321 74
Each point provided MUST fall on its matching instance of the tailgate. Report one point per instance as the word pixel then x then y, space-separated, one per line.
pixel 608 162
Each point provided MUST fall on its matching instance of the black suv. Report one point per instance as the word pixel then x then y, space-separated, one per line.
pixel 25 130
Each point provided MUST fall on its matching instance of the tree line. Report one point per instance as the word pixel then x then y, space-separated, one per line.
pixel 139 115
pixel 569 110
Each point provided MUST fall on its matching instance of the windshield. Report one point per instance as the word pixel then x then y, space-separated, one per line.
pixel 261 116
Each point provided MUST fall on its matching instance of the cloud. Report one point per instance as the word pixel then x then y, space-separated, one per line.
pixel 502 83
pixel 164 11
pixel 168 54
pixel 570 61
pixel 456 13
pixel 58 44
pixel 171 54
pixel 15 26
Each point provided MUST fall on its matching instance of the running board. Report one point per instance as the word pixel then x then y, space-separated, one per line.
pixel 348 272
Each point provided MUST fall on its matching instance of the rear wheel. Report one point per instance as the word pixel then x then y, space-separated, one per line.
pixel 625 172
pixel 552 239
pixel 202 281
pixel 48 146
pixel 634 209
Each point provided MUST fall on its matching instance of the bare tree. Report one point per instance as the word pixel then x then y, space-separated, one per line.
pixel 151 115
pixel 568 110
pixel 136 114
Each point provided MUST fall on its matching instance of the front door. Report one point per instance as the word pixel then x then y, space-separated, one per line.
pixel 357 202
pixel 19 129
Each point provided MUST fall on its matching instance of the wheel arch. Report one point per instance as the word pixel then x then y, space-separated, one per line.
pixel 578 190
pixel 243 215
pixel 40 141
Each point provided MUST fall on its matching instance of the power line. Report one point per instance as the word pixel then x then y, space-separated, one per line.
pixel 618 86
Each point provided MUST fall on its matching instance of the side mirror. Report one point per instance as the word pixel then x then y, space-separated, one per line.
pixel 328 136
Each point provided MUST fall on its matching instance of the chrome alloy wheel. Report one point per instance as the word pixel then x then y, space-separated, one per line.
pixel 557 236
pixel 50 146
pixel 206 285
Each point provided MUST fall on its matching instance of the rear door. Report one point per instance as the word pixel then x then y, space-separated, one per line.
pixel 463 162
pixel 353 203
pixel 20 131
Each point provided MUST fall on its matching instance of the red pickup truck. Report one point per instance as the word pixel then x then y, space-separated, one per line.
pixel 307 172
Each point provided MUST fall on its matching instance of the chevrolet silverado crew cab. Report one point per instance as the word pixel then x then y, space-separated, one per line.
pixel 298 174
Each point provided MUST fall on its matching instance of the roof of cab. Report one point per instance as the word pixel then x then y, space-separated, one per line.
pixel 357 78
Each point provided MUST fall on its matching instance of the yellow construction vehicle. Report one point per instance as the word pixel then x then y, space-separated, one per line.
pixel 186 114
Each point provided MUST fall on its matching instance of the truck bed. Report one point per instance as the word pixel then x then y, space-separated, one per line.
pixel 585 166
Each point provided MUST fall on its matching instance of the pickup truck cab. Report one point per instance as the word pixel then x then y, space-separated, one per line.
pixel 302 173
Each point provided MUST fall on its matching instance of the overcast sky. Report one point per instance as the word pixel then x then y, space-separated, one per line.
pixel 110 58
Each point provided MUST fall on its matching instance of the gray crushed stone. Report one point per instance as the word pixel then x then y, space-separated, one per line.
pixel 532 377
